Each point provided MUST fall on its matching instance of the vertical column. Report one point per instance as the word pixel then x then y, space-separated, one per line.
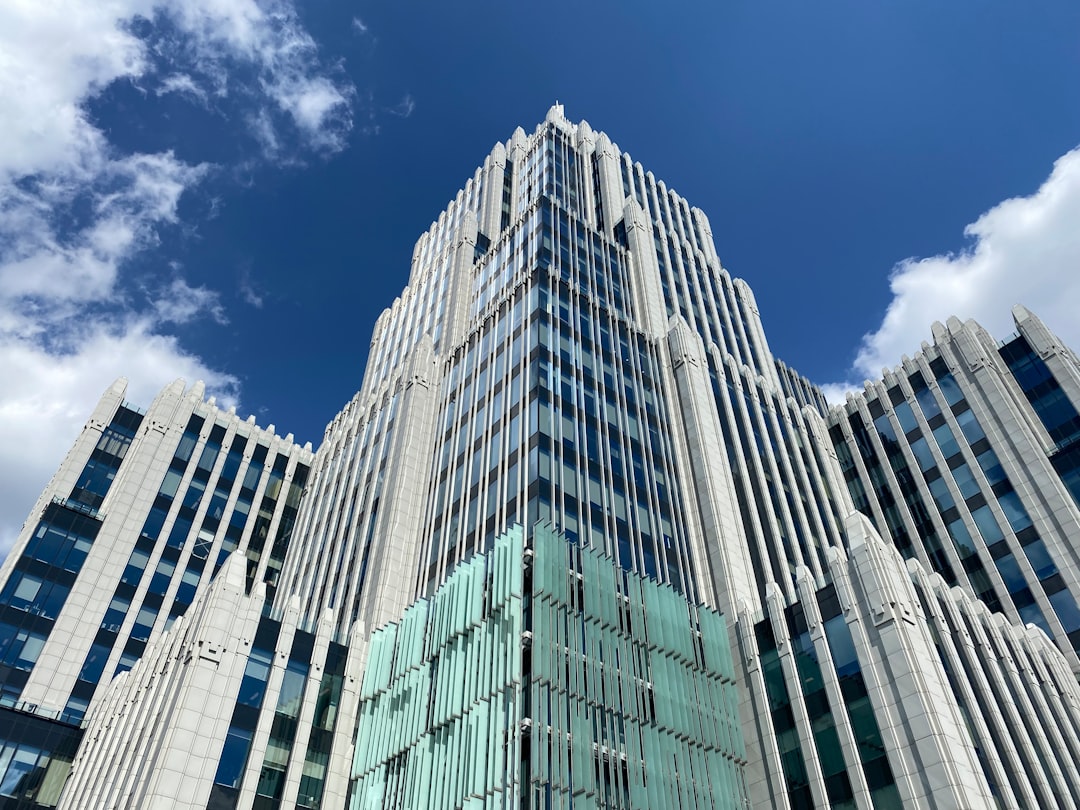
pixel 644 273
pixel 461 282
pixel 610 191
pixel 723 547
pixel 586 145
pixel 935 763
pixel 491 203
pixel 394 558
pixel 756 335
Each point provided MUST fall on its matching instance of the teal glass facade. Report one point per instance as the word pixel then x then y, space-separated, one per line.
pixel 542 674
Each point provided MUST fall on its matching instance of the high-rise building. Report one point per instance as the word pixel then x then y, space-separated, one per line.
pixel 578 538
pixel 966 456
pixel 144 510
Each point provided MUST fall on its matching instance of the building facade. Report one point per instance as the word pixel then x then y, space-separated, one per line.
pixel 144 510
pixel 966 456
pixel 570 368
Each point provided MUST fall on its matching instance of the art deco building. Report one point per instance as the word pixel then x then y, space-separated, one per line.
pixel 579 538
pixel 967 458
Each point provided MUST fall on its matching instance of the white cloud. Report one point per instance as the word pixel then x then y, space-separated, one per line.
pixel 266 37
pixel 48 395
pixel 247 289
pixel 183 84
pixel 405 107
pixel 179 302
pixel 315 104
pixel 1025 250
pixel 75 209
pixel 359 25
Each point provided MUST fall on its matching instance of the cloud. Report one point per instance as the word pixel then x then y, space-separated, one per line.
pixel 359 25
pixel 75 209
pixel 1025 250
pixel 48 395
pixel 182 83
pixel 179 302
pixel 210 39
pixel 405 107
pixel 247 289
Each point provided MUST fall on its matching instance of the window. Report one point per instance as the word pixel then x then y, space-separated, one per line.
pixel 970 426
pixel 114 616
pixel 922 453
pixel 19 648
pixel 95 663
pixel 946 441
pixel 256 673
pixel 991 467
pixel 949 389
pixel 18 777
pixel 965 481
pixel 233 757
pixel 940 490
pixel 1015 512
pixel 144 623
pixel 905 417
pixel 988 527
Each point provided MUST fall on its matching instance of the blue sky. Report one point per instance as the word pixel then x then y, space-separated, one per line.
pixel 230 189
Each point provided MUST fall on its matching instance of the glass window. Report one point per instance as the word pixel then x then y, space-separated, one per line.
pixel 905 417
pixel 970 426
pixel 1065 607
pixel 114 616
pixel 187 444
pixel 162 576
pixel 256 673
pixel 25 591
pixel 95 663
pixel 1014 510
pixel 961 538
pixel 171 483
pixel 946 441
pixel 940 490
pixel 1040 559
pixel 19 775
pixel 965 481
pixel 1010 572
pixel 988 527
pixel 928 403
pixel 922 454
pixel 991 467
pixel 233 757
pixel 19 648
pixel 884 428
pixel 949 389
pixel 136 563
pixel 189 583
pixel 292 689
pixel 144 623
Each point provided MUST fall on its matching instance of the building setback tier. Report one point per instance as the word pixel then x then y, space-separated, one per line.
pixel 200 613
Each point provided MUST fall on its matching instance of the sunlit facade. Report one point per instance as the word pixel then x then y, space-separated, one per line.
pixel 570 374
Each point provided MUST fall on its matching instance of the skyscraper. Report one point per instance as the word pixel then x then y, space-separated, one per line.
pixel 966 457
pixel 574 481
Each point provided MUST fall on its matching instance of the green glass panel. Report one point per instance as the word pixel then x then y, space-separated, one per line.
pixel 588 676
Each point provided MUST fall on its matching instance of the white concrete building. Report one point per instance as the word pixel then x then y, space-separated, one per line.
pixel 570 352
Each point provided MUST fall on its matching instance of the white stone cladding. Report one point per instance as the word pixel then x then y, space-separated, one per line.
pixel 155 738
pixel 157 732
pixel 123 514
pixel 1007 426
pixel 570 350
